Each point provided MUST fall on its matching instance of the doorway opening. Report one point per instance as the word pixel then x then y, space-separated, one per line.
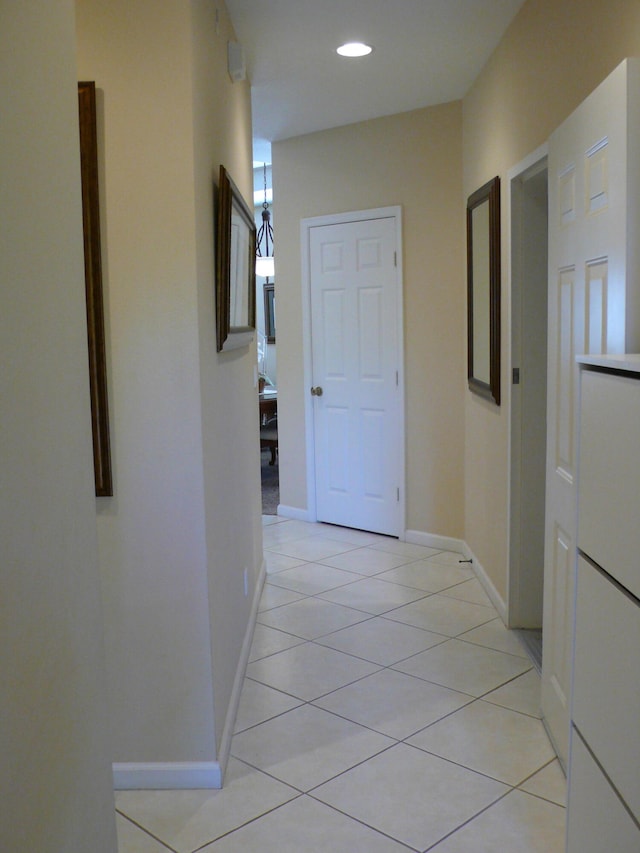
pixel 269 471
pixel 528 189
pixel 265 302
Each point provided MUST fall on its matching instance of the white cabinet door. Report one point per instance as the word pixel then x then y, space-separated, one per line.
pixel 597 820
pixel 593 228
pixel 606 691
pixel 610 475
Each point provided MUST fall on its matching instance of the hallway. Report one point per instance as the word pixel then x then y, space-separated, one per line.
pixel 385 709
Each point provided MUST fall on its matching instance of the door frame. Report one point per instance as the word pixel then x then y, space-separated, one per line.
pixel 306 225
pixel 519 614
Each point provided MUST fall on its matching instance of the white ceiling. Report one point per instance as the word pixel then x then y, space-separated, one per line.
pixel 426 52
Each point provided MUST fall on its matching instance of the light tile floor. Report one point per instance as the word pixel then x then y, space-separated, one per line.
pixel 385 709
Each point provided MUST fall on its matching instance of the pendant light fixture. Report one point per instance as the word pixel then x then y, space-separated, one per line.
pixel 264 255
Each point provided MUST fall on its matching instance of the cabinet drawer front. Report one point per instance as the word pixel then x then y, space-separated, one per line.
pixel 609 479
pixel 597 820
pixel 606 693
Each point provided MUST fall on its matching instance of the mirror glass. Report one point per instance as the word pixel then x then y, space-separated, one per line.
pixel 238 271
pixel 270 313
pixel 483 291
pixel 235 267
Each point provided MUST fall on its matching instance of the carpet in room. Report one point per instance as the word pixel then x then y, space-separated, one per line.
pixel 270 484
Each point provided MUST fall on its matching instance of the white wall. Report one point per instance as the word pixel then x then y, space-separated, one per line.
pixel 535 78
pixel 152 533
pixel 229 397
pixel 55 780
pixel 413 159
pixel 184 522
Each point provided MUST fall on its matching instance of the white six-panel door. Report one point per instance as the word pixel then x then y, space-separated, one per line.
pixel 592 295
pixel 355 383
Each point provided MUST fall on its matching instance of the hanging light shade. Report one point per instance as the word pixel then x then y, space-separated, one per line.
pixel 265 265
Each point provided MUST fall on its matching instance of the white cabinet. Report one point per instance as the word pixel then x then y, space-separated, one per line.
pixel 606 693
pixel 604 769
pixel 609 477
pixel 598 821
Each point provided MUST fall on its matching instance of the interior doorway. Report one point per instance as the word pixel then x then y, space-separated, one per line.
pixel 265 302
pixel 528 188
pixel 269 471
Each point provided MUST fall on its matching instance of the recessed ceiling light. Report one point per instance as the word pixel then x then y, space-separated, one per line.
pixel 354 48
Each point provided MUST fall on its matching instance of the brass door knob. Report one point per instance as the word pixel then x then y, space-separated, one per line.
pixel 317 391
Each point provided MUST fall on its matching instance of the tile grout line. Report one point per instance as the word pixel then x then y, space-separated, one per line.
pixel 145 830
pixel 362 822
pixel 253 819
pixel 380 668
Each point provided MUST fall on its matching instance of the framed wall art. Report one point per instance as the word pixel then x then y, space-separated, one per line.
pixel 235 267
pixel 93 287
pixel 270 313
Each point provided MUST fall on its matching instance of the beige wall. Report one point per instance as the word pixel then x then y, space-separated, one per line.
pixel 413 160
pixel 184 522
pixel 55 775
pixel 551 57
pixel 222 134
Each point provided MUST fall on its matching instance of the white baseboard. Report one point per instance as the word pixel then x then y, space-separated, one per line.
pixel 487 584
pixel 182 775
pixel 176 775
pixel 294 512
pixel 446 543
pixel 432 540
pixel 232 710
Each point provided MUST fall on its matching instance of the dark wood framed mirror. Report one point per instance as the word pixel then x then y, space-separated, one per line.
pixel 270 313
pixel 235 267
pixel 483 291
pixel 93 287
